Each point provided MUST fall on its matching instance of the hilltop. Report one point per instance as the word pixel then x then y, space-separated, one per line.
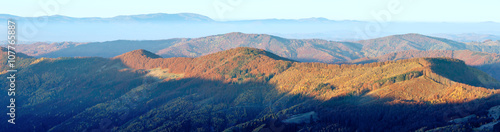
pixel 487 62
pixel 101 49
pixel 481 55
pixel 139 54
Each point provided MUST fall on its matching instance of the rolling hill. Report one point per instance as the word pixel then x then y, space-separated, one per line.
pixel 247 89
pixel 21 59
pixel 301 50
pixel 482 55
pixel 396 43
pixel 468 37
pixel 487 62
pixel 308 50
pixel 107 49
pixel 40 48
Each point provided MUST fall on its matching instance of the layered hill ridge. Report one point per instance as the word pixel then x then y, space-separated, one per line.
pixel 420 79
pixel 4 51
pixel 454 70
pixel 473 58
pixel 241 63
pixel 243 88
pixel 305 50
pixel 487 62
pixel 238 63
pixel 140 53
pixel 106 49
pixel 156 17
pixel 396 43
pixel 21 59
pixel 41 48
pixel 301 50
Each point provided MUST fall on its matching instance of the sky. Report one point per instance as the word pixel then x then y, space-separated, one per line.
pixel 223 10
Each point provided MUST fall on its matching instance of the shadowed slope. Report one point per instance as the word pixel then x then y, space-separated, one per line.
pixel 21 59
pixel 396 43
pixel 486 62
pixel 243 89
pixel 305 50
pixel 230 65
pixel 457 71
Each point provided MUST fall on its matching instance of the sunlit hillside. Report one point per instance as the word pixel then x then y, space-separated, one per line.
pixel 244 89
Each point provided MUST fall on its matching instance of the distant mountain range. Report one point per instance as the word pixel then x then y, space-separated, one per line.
pixel 59 28
pixel 248 89
pixel 158 17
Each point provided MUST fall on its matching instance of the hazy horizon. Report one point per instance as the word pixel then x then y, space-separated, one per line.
pixel 358 10
pixel 305 18
pixel 317 19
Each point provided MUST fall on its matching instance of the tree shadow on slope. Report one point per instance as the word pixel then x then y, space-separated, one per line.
pixel 187 104
pixel 49 91
pixel 457 71
pixel 94 93
pixel 361 112
pixel 387 114
pixel 491 69
pixel 76 99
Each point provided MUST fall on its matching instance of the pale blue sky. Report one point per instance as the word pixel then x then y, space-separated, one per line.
pixel 410 10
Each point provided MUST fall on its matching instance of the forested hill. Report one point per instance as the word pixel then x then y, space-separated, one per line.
pixel 245 89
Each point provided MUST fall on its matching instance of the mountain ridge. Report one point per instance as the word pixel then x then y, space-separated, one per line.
pixel 248 84
pixel 410 41
pixel 334 49
pixel 139 53
pixel 432 64
pixel 487 62
pixel 139 17
pixel 303 50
